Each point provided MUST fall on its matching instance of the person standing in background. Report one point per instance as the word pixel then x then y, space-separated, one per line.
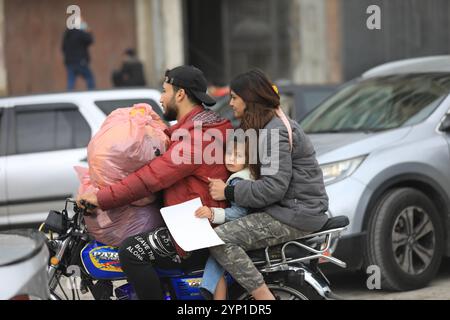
pixel 76 55
pixel 132 72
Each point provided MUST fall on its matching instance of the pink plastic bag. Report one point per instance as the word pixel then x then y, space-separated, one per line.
pixel 128 139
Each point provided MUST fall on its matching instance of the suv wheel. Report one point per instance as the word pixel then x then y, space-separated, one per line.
pixel 405 239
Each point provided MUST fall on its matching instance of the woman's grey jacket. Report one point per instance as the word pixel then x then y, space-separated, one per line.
pixel 291 187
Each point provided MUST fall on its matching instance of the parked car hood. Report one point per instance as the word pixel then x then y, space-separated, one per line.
pixel 331 147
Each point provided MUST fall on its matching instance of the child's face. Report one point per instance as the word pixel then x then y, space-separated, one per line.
pixel 235 159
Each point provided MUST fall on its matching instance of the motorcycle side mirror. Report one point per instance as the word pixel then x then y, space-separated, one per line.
pixel 445 125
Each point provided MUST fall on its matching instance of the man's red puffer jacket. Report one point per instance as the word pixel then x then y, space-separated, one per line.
pixel 180 181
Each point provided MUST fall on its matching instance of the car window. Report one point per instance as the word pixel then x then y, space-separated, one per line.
pixel 379 104
pixel 108 106
pixel 49 130
pixel 313 98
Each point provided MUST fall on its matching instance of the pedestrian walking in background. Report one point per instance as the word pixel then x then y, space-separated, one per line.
pixel 76 55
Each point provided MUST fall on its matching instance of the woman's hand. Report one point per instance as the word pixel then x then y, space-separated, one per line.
pixel 217 189
pixel 203 212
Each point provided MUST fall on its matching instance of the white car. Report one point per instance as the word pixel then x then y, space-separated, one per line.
pixel 42 137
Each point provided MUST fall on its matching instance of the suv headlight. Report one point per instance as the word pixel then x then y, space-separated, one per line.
pixel 336 171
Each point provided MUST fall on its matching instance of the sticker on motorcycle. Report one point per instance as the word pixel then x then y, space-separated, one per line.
pixel 105 258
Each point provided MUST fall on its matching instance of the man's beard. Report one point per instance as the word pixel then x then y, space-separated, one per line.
pixel 171 110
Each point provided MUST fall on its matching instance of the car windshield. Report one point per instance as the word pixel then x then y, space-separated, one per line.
pixel 379 104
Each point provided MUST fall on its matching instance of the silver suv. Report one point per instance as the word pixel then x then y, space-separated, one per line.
pixel 383 142
pixel 42 137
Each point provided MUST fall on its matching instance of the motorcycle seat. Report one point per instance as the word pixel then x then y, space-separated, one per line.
pixel 335 223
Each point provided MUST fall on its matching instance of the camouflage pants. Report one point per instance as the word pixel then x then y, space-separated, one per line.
pixel 254 231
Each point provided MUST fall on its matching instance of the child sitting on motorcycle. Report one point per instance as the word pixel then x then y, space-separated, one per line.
pixel 236 162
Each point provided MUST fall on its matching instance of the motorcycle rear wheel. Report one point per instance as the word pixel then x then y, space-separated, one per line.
pixel 282 291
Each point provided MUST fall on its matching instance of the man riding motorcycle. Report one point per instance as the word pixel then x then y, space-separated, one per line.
pixel 184 92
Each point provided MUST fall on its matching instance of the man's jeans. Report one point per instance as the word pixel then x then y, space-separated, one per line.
pixel 80 69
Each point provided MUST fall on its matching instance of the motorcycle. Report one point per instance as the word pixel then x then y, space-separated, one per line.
pixel 291 270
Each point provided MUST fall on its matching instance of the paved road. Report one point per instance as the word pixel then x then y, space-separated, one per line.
pixel 353 286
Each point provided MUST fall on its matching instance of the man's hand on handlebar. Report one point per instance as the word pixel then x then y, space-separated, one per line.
pixel 87 201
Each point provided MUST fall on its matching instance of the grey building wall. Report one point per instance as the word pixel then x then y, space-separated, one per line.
pixel 409 28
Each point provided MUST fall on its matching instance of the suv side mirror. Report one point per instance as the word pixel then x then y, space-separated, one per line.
pixel 445 125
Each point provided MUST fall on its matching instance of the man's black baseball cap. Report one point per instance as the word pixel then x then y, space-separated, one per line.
pixel 192 79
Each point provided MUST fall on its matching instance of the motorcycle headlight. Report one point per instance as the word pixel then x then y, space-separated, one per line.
pixel 336 171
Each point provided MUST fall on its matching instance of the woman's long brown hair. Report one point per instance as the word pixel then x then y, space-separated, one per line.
pixel 261 101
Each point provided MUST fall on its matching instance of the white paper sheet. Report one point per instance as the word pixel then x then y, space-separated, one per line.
pixel 190 233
